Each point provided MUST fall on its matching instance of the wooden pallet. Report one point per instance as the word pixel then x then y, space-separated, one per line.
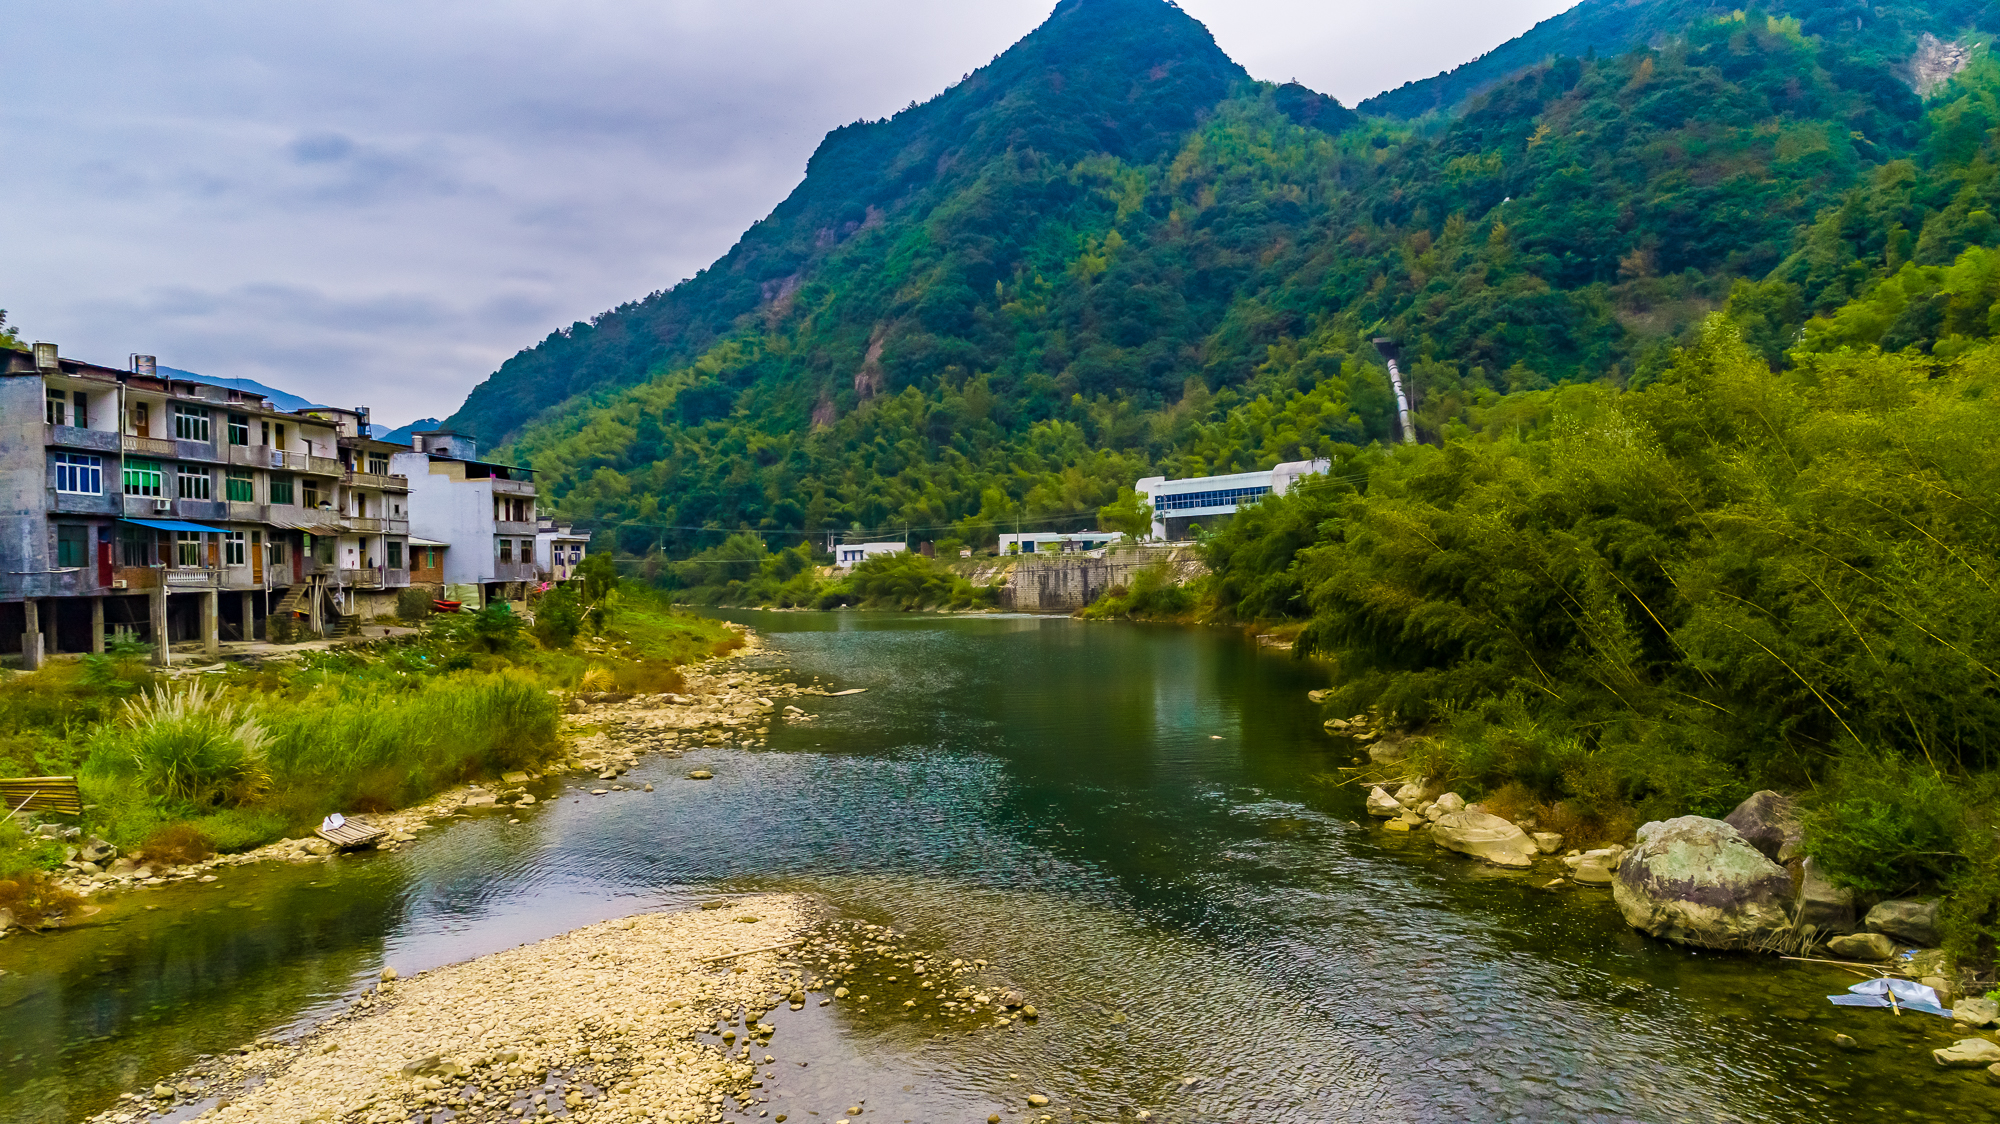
pixel 352 834
pixel 41 794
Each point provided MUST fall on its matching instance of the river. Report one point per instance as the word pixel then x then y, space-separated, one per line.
pixel 1143 827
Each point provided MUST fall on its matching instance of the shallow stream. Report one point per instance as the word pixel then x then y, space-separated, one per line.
pixel 1142 827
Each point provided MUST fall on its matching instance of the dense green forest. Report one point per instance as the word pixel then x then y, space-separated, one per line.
pixel 1110 253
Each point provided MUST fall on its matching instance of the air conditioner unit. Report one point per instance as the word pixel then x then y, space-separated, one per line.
pixel 118 583
pixel 163 505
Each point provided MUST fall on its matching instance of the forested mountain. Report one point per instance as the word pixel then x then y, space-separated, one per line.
pixel 1110 253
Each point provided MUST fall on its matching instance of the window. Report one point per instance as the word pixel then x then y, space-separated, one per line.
pixel 58 408
pixel 1220 497
pixel 278 432
pixel 232 549
pixel 311 488
pixel 187 546
pixel 191 423
pixel 378 463
pixel 142 423
pixel 194 482
pixel 143 478
pixel 137 546
pixel 281 489
pixel 72 547
pixel 265 433
pixel 239 429
pixel 527 550
pixel 241 490
pixel 395 555
pixel 277 555
pixel 82 418
pixel 506 550
pixel 83 475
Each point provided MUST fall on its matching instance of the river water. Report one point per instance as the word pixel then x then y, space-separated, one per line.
pixel 1141 827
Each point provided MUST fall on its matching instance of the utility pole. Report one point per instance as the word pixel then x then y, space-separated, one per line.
pixel 1389 351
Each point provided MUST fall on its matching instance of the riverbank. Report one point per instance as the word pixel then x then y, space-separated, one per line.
pixel 235 763
pixel 598 1024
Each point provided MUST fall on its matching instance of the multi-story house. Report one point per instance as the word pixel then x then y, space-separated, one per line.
pixel 559 550
pixel 174 510
pixel 484 509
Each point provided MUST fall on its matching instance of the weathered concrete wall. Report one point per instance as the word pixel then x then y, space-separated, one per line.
pixel 1066 583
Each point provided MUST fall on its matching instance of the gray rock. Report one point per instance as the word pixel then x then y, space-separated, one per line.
pixel 1768 821
pixel 1450 802
pixel 1968 1053
pixel 1911 921
pixel 1826 907
pixel 1410 794
pixel 1695 881
pixel 1548 842
pixel 1976 1012
pixel 1872 947
pixel 1594 872
pixel 701 775
pixel 1484 837
pixel 1382 805
pixel 97 851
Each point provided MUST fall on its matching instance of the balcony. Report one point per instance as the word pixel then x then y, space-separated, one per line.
pixel 153 507
pixel 382 483
pixel 136 577
pixel 150 446
pixel 362 524
pixel 303 462
pixel 513 487
pixel 76 503
pixel 514 529
pixel 75 437
pixel 191 580
pixel 168 449
pixel 361 579
pixel 248 513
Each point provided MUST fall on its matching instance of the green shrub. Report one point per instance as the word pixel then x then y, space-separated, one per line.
pixel 1154 591
pixel 558 619
pixel 495 628
pixel 1887 825
pixel 905 581
pixel 414 604
pixel 190 748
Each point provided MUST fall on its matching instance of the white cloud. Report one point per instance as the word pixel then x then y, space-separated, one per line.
pixel 380 202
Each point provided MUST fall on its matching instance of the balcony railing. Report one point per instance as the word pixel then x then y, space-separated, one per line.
pixel 378 481
pixel 513 528
pixel 363 523
pixel 513 487
pixel 151 446
pixel 76 437
pixel 514 572
pixel 189 578
pixel 159 507
pixel 361 579
pixel 299 462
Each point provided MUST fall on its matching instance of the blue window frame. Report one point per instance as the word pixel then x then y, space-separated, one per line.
pixel 80 473
pixel 1220 497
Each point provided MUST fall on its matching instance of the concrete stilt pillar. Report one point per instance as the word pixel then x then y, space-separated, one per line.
pixel 158 604
pixel 31 635
pixel 249 615
pixel 97 626
pixel 211 622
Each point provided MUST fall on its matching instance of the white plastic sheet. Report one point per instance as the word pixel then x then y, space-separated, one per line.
pixel 1910 996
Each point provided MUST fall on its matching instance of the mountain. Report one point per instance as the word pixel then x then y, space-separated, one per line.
pixel 279 398
pixel 1610 27
pixel 1120 78
pixel 1110 253
pixel 402 434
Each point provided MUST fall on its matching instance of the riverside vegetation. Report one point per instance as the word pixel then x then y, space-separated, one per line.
pixel 173 769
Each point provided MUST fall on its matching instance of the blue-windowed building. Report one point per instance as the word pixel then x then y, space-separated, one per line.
pixel 1180 505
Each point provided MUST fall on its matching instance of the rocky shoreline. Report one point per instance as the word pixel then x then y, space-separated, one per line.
pixel 604 735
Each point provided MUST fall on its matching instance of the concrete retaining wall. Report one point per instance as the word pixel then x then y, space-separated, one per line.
pixel 1066 583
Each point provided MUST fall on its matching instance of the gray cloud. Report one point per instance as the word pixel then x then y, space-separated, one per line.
pixel 387 200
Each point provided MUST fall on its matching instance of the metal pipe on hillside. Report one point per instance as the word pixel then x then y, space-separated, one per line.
pixel 1387 347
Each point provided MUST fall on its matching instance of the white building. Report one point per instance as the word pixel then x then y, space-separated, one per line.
pixel 1180 504
pixel 558 550
pixel 850 554
pixel 1053 542
pixel 486 511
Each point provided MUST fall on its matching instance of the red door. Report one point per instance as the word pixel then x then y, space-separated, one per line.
pixel 298 562
pixel 104 545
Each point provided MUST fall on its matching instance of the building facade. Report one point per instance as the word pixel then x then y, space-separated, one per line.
pixel 172 510
pixel 485 510
pixel 848 555
pixel 1180 505
pixel 1057 542
pixel 559 550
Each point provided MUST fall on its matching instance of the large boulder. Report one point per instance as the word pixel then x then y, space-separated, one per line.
pixel 1769 821
pixel 1826 907
pixel 1694 880
pixel 1485 837
pixel 1915 922
pixel 1383 805
pixel 1872 947
pixel 1967 1053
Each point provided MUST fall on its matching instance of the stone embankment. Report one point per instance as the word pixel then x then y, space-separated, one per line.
pixel 605 735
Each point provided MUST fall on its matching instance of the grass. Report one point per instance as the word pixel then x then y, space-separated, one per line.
pixel 241 758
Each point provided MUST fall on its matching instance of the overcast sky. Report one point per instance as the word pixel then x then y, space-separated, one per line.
pixel 376 203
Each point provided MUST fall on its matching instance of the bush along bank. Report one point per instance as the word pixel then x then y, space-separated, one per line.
pixel 239 761
pixel 744 571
